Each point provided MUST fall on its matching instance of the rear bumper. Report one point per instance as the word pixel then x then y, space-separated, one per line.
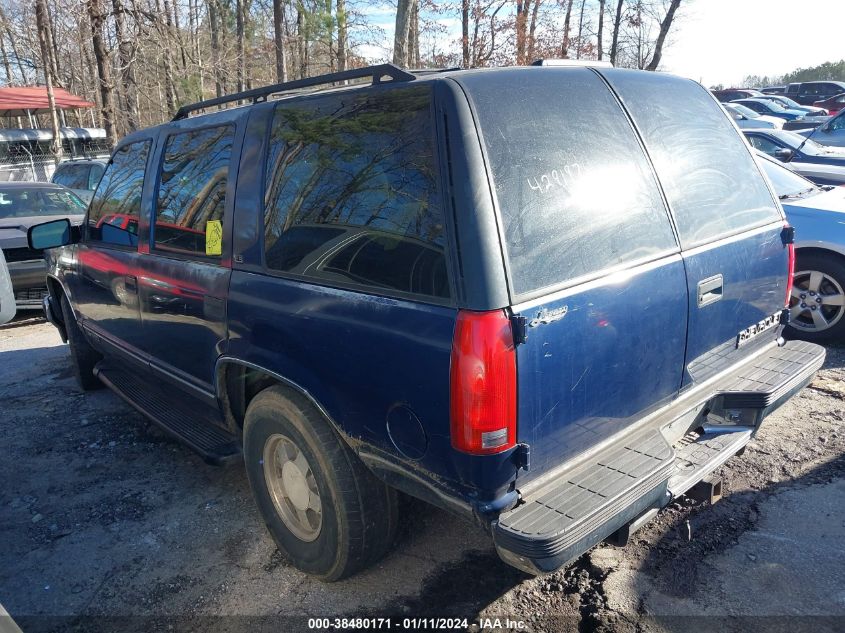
pixel 637 474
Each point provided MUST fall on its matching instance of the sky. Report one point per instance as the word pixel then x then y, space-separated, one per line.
pixel 722 41
pixel 715 41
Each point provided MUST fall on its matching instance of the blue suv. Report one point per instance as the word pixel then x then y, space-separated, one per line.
pixel 547 299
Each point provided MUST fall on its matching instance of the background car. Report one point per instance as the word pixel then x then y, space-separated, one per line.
pixel 773 90
pixel 731 94
pixel 795 149
pixel 834 104
pixel 789 104
pixel 7 295
pixel 809 92
pixel 746 118
pixel 817 303
pixel 80 176
pixel 24 204
pixel 769 108
pixel 830 133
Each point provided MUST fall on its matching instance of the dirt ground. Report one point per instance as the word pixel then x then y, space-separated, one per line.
pixel 107 524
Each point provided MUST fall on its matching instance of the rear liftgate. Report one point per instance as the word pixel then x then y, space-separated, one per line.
pixel 618 489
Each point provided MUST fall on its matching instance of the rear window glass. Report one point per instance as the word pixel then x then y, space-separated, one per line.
pixel 712 184
pixel 351 192
pixel 575 192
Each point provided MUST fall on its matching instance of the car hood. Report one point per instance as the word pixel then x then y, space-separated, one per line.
pixel 13 230
pixel 820 170
pixel 832 201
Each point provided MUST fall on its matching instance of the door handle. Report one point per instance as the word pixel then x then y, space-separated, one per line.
pixel 710 290
pixel 130 282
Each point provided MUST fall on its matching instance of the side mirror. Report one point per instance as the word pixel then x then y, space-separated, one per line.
pixel 784 154
pixel 49 234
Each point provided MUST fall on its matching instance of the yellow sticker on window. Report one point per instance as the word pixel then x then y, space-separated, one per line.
pixel 214 237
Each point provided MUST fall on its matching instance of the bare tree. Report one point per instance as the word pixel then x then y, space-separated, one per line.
pixel 617 21
pixel 97 17
pixel 279 40
pixel 600 34
pixel 43 26
pixel 665 25
pixel 400 39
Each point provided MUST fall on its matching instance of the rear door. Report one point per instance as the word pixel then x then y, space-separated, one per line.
pixel 728 221
pixel 186 265
pixel 593 263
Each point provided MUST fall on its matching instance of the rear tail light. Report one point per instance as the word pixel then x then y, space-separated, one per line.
pixel 482 383
pixel 790 245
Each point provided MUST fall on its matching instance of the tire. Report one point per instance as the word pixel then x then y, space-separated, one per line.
pixel 819 284
pixel 83 357
pixel 358 513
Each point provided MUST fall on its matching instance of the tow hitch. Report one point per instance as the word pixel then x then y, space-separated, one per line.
pixel 708 489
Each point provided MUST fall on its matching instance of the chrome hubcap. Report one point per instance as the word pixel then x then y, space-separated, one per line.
pixel 817 301
pixel 293 487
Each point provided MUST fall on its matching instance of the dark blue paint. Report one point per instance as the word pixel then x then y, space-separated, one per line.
pixel 618 352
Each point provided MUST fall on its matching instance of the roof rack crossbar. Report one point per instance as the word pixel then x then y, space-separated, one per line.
pixel 256 95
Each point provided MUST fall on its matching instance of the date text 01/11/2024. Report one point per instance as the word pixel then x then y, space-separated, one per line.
pixel 414 624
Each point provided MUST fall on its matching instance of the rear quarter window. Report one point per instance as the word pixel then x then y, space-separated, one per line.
pixel 711 181
pixel 575 192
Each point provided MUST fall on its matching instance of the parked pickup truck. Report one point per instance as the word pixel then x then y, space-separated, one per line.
pixel 547 299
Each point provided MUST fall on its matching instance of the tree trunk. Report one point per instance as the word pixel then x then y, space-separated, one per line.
pixel 400 38
pixel 531 32
pixel 301 42
pixel 239 35
pixel 51 44
pixel 279 41
pixel 661 37
pixel 564 47
pixel 43 23
pixel 342 36
pixel 96 17
pixel 580 30
pixel 600 33
pixel 6 65
pixel 465 32
pixel 414 37
pixel 520 26
pixel 127 68
pixel 214 26
pixel 617 21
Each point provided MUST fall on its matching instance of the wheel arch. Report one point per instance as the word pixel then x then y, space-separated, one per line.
pixel 238 381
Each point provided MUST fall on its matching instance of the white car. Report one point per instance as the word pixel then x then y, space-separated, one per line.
pixel 80 175
pixel 746 118
pixel 7 296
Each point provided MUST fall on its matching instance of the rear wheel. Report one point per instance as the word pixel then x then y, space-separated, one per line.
pixel 327 513
pixel 83 357
pixel 817 303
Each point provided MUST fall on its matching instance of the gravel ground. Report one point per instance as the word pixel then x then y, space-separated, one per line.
pixel 102 516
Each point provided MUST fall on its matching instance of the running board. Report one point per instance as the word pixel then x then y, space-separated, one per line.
pixel 186 418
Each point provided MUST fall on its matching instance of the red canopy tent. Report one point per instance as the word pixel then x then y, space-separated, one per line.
pixel 33 100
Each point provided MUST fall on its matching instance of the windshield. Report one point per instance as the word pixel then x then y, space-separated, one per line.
pixel 747 112
pixel 787 183
pixel 774 105
pixel 789 103
pixel 21 203
pixel 810 148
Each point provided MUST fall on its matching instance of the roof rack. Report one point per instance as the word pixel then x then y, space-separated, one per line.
pixel 376 73
pixel 590 63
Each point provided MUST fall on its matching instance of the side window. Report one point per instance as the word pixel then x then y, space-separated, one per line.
pixel 192 192
pixel 712 183
pixel 72 176
pixel 838 123
pixel 113 213
pixel 763 144
pixel 351 192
